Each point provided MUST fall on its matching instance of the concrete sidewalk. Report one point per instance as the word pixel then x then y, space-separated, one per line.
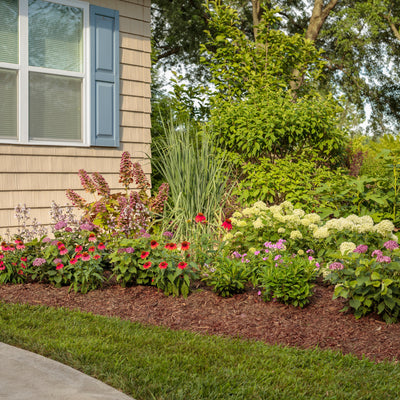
pixel 28 376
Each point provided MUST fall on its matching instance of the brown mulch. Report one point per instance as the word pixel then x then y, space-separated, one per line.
pixel 320 324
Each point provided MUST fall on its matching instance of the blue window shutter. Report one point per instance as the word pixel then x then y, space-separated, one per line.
pixel 104 61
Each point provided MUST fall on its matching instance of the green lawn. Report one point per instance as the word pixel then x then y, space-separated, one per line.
pixel 157 363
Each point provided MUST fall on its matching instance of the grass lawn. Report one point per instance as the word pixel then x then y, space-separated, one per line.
pixel 157 363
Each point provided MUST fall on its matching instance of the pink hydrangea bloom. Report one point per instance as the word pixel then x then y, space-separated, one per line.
pixel 391 245
pixel 362 248
pixel 336 266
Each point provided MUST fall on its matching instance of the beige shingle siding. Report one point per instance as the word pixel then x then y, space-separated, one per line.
pixel 37 175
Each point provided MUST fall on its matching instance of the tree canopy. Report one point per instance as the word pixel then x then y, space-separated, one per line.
pixel 359 42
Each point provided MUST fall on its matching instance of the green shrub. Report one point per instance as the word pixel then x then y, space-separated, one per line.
pixel 227 276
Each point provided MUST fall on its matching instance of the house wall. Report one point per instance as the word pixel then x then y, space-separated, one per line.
pixel 37 175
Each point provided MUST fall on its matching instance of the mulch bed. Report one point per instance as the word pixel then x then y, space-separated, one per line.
pixel 320 324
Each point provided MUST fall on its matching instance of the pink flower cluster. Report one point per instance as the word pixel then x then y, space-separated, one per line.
pixel 336 266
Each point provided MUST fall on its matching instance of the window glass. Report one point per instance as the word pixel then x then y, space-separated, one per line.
pixel 54 107
pixel 55 36
pixel 9 31
pixel 8 104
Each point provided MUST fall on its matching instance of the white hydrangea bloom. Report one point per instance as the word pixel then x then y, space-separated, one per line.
pixel 365 227
pixel 291 220
pixel 314 218
pixel 384 227
pixel 238 234
pixel 241 224
pixel 287 204
pixel 394 237
pixel 296 235
pixel 278 217
pixel 306 222
pixel 354 218
pixel 281 230
pixel 258 223
pixel 321 233
pixel 312 227
pixel 260 205
pixel 234 221
pixel 299 212
pixel 366 219
pixel 275 209
pixel 347 247
pixel 247 211
pixel 237 214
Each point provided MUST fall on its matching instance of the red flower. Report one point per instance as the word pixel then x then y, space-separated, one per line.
pixel 59 244
pixel 96 256
pixel 200 218
pixel 227 225
pixel 20 272
pixel 185 246
pixel 91 249
pixel 154 244
pixel 78 256
pixel 60 266
pixel 23 265
pixel 147 265
pixel 170 246
pixel 182 265
pixel 24 259
pixel 101 246
pixel 62 249
pixel 163 265
pixel 73 261
pixel 85 256
pixel 144 255
pixel 78 249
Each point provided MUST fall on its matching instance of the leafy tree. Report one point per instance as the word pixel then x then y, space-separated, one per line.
pixel 360 40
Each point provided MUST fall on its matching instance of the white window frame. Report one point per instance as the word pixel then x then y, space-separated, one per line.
pixel 23 69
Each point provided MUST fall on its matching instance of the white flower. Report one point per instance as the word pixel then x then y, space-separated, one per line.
pixel 238 234
pixel 306 222
pixel 275 209
pixel 347 247
pixel 384 227
pixel 237 214
pixel 365 227
pixel 394 237
pixel 299 212
pixel 241 223
pixel 296 235
pixel 321 233
pixel 312 227
pixel 281 230
pixel 247 211
pixel 234 221
pixel 300 252
pixel 251 250
pixel 260 205
pixel 314 218
pixel 366 219
pixel 258 223
pixel 287 204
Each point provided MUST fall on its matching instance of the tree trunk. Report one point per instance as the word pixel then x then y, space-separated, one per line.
pixel 318 17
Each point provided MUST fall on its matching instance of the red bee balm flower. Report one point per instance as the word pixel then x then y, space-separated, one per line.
pixel 185 246
pixel 147 265
pixel 227 225
pixel 153 244
pixel 144 255
pixel 163 265
pixel 200 218
pixel 182 265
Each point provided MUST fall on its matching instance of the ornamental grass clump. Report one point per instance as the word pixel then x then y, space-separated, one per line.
pixel 196 176
pixel 368 278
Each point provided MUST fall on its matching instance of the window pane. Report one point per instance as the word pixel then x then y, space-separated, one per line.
pixel 55 36
pixel 54 107
pixel 9 31
pixel 8 104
